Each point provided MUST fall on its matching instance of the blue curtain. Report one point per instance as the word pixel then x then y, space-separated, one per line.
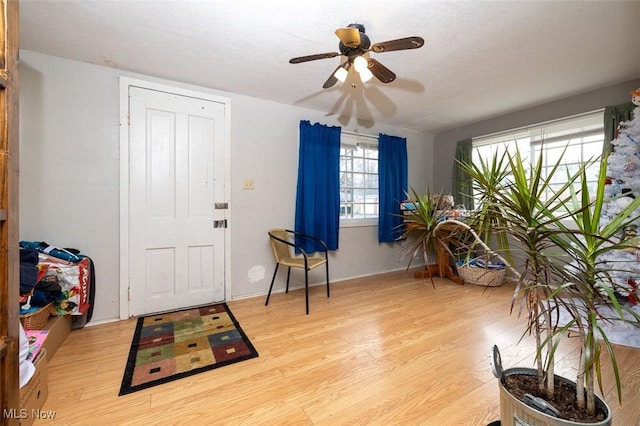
pixel 318 193
pixel 392 175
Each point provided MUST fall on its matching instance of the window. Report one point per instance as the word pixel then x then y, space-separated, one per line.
pixel 581 135
pixel 358 179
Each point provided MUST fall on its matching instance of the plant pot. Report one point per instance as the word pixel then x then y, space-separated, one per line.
pixel 514 412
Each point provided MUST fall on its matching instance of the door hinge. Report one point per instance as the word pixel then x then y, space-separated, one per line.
pixel 220 223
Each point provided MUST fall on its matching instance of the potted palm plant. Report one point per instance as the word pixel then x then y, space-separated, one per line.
pixel 588 284
pixel 421 216
pixel 558 240
pixel 430 227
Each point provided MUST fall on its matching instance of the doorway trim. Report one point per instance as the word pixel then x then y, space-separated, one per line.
pixel 199 93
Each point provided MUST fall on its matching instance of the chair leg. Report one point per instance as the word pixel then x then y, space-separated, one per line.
pixel 286 290
pixel 306 289
pixel 327 265
pixel 271 286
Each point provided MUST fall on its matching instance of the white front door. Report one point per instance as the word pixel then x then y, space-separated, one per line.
pixel 176 200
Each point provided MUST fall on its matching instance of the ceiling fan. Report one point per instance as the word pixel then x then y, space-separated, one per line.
pixel 354 44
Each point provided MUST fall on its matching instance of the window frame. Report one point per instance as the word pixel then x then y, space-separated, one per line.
pixel 582 131
pixel 357 141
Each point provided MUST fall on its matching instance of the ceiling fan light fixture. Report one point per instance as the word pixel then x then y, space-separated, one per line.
pixel 341 74
pixel 360 63
pixel 365 75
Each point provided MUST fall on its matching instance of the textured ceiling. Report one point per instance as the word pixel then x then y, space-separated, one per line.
pixel 480 58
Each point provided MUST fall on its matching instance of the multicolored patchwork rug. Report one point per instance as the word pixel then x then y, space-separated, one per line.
pixel 174 345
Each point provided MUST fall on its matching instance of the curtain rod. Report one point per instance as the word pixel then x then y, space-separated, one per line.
pixel 346 132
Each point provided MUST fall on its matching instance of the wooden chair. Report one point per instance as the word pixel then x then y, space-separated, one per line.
pixel 283 243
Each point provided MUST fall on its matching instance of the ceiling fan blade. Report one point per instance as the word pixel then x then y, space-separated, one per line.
pixel 399 44
pixel 330 81
pixel 332 78
pixel 380 72
pixel 313 57
pixel 349 36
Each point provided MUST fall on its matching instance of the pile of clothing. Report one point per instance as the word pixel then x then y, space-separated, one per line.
pixel 36 288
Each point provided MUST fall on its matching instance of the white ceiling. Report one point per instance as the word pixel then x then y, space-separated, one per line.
pixel 480 59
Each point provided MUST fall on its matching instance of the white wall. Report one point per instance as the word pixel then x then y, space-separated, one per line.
pixel 69 176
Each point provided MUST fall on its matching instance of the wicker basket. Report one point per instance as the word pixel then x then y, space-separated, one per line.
pixel 36 320
pixel 481 276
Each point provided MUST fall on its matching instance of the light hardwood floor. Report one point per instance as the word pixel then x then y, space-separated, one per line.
pixel 387 349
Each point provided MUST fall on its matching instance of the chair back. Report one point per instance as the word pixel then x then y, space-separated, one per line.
pixel 281 251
